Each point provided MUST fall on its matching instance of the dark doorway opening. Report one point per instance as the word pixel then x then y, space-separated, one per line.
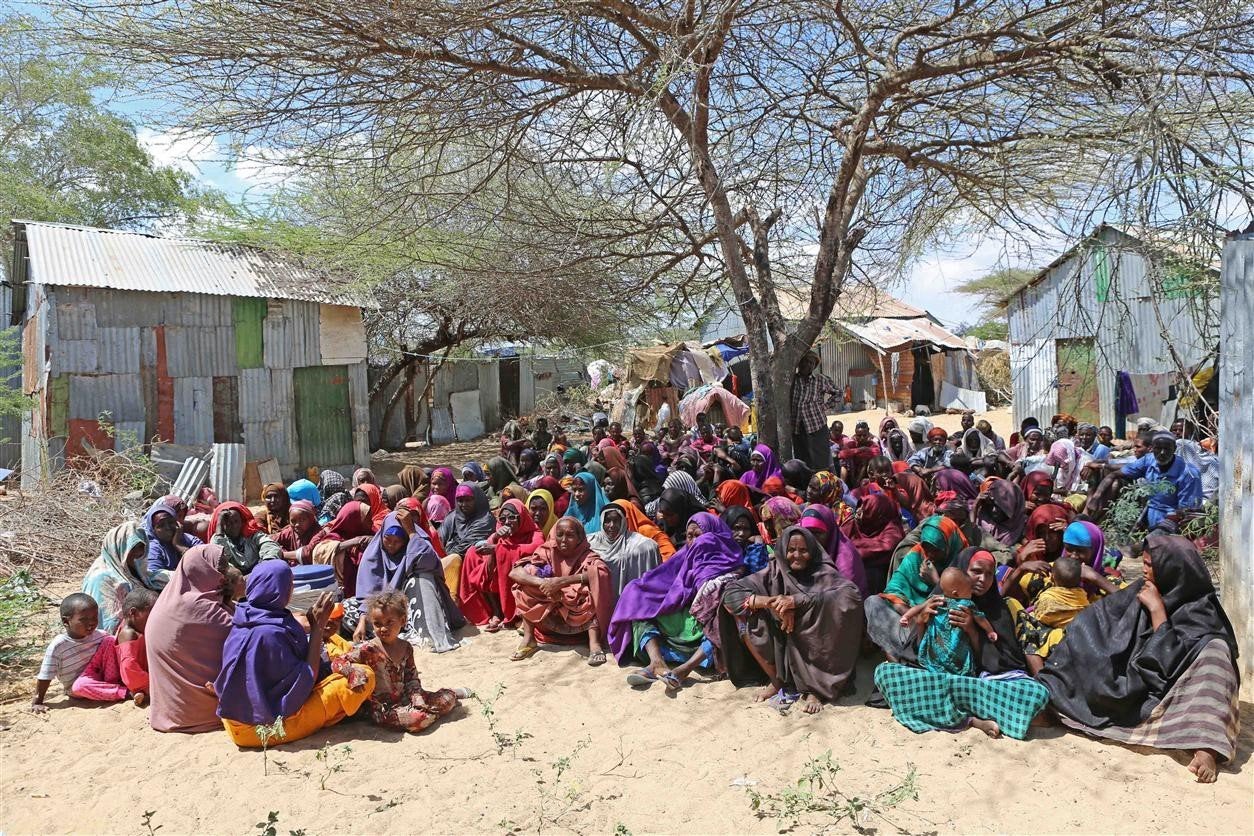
pixel 922 390
pixel 509 380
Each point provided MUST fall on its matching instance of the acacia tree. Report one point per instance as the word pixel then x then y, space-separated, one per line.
pixel 788 145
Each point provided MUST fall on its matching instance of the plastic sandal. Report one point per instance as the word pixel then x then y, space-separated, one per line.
pixel 642 678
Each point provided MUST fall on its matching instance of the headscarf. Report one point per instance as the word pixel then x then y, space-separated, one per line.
pixel 581 559
pixel 306 490
pixel 186 630
pixel 176 502
pixel 414 480
pixel 393 494
pixel 331 482
pixel 920 426
pixel 588 513
pixel 364 476
pixel 110 578
pixel 1115 668
pixel 821 652
pixel 939 532
pixel 937 434
pixel 957 482
pixel 353 520
pixel 476 472
pixel 561 496
pixel 277 519
pixel 1040 519
pixel 450 483
pixel 501 476
pixel 437 508
pixel 574 455
pixel 1031 481
pixel 290 538
pixel 1007 498
pixel 374 497
pixel 671 587
pixel 822 520
pixel 781 511
pixel 913 494
pixel 775 486
pixel 829 487
pixel 1062 455
pixel 976 444
pixel 265 674
pixel 796 474
pixel 547 498
pixel 907 445
pixel 750 476
pixel 381 570
pixel 597 470
pixel 461 531
pixel 249 528
pixel 875 530
pixel 683 506
pixel 1005 654
pixel 644 477
pixel 733 493
pixel 641 524
pixel 620 484
pixel 628 557
pixel 159 563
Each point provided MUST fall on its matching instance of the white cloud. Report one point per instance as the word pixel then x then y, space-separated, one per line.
pixel 191 153
pixel 261 168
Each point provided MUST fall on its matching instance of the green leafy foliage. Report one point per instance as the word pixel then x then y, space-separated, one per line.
pixel 24 627
pixel 817 798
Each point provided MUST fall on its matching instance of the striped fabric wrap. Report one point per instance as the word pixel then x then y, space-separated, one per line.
pixel 1200 711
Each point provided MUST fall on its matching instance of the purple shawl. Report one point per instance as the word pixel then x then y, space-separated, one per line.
pixel 265 673
pixel 840 549
pixel 960 483
pixel 672 586
pixel 751 478
pixel 379 570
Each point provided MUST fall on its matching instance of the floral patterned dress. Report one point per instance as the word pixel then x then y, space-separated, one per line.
pixel 398 701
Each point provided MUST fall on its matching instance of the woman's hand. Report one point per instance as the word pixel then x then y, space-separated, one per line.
pixel 320 612
pixel 1058 525
pixel 927 571
pixel 960 617
pixel 1033 550
pixel 933 604
pixel 1089 574
pixel 406 518
pixel 785 609
pixel 1039 567
pixel 1152 600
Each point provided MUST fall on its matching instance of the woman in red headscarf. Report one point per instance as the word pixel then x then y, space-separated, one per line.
pixel 875 530
pixel 372 495
pixel 485 593
pixel 341 543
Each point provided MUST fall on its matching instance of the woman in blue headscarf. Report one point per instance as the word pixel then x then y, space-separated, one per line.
pixel 270 667
pixel 587 501
pixel 306 490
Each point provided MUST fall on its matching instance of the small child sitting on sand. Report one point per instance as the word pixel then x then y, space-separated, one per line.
pixel 398 701
pixel 105 679
pixel 945 647
pixel 69 653
pixel 132 650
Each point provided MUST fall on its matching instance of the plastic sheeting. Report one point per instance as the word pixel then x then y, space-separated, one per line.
pixel 735 410
pixel 954 397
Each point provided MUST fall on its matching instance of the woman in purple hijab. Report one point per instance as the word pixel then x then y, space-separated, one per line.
pixel 654 618
pixel 762 466
pixel 270 667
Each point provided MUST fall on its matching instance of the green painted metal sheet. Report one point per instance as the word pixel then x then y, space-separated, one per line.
pixel 58 405
pixel 324 422
pixel 247 315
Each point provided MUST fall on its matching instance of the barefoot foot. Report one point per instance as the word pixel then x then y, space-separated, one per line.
pixel 810 704
pixel 989 727
pixel 765 693
pixel 1204 766
pixel 140 698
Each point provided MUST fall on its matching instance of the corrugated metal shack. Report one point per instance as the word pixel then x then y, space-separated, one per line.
pixel 185 341
pixel 1236 448
pixel 882 347
pixel 1111 304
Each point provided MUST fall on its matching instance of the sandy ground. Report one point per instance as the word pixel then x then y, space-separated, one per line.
pixel 643 762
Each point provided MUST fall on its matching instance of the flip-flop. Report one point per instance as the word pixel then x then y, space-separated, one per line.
pixel 642 678
pixel 673 682
pixel 596 659
pixel 493 626
pixel 783 699
pixel 525 652
pixel 876 700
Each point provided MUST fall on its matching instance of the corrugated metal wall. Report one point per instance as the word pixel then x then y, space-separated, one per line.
pixel 839 355
pixel 1114 294
pixel 169 364
pixel 1236 449
pixel 452 384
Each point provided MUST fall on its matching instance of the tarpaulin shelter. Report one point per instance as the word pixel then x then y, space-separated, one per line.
pixel 681 365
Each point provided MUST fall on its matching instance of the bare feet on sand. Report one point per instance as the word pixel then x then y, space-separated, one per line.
pixel 765 693
pixel 989 727
pixel 1204 766
pixel 810 704
pixel 141 699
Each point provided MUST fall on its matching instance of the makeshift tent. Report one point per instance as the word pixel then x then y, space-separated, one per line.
pixel 681 365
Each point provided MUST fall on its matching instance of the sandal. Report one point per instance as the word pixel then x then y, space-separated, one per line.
pixel 494 625
pixel 642 678
pixel 596 658
pixel 673 683
pixel 783 699
pixel 525 651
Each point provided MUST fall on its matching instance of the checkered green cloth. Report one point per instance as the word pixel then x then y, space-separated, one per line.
pixel 926 700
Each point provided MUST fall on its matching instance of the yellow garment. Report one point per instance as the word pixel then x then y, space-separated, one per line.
pixel 547 499
pixel 337 645
pixel 1058 606
pixel 331 701
pixel 452 572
